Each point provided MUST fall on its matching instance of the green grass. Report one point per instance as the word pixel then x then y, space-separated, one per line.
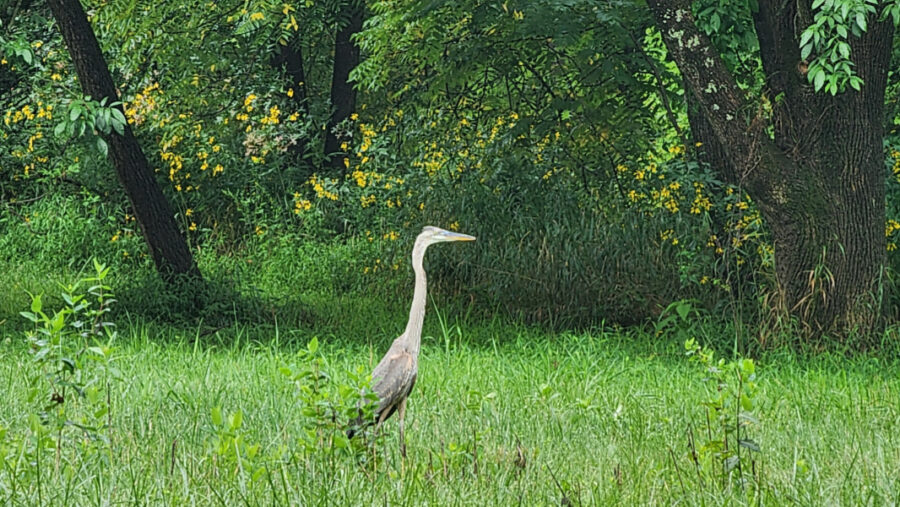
pixel 607 414
pixel 601 417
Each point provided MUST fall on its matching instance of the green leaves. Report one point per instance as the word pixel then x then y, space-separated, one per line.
pixel 72 366
pixel 96 118
pixel 827 41
pixel 729 409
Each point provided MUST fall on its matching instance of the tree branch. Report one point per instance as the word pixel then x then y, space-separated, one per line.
pixel 737 126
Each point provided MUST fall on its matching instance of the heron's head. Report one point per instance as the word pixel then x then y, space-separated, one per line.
pixel 431 234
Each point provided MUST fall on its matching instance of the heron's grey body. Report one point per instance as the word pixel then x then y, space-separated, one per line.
pixel 395 375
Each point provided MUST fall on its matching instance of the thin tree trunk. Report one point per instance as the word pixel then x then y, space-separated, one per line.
pixel 168 247
pixel 343 96
pixel 818 183
pixel 290 58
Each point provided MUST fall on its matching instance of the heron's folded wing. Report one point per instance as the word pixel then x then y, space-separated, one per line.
pixel 393 378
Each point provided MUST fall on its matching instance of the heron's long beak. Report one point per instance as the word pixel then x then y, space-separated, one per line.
pixel 456 236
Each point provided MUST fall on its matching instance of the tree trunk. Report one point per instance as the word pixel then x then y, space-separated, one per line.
pixel 290 58
pixel 168 247
pixel 343 96
pixel 11 9
pixel 819 182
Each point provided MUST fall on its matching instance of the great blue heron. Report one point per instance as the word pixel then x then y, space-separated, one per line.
pixel 395 375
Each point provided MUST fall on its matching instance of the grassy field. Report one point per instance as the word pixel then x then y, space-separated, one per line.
pixel 501 414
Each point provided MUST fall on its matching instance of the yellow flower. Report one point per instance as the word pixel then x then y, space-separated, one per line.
pixel 188 212
pixel 193 227
pixel 290 92
pixel 257 16
pixel 354 117
pixel 454 226
pixel 892 225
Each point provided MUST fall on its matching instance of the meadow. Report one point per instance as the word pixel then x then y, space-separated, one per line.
pixel 505 413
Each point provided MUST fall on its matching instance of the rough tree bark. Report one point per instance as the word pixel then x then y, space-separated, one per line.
pixel 343 96
pixel 168 247
pixel 819 181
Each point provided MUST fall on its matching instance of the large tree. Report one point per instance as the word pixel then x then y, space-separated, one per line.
pixel 815 164
pixel 168 247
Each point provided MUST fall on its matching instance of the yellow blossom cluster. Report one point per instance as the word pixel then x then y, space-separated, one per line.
pixel 378 265
pixel 34 151
pixel 272 117
pixel 766 253
pixel 27 113
pixel 367 200
pixel 895 167
pixel 300 204
pixel 143 103
pixel 890 228
pixel 701 202
pixel 176 152
pixel 318 186
pixel 668 235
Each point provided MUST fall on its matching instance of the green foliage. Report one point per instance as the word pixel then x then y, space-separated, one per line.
pixel 730 403
pixel 826 42
pixel 328 406
pixel 67 388
pixel 86 115
pixel 232 449
pixel 73 350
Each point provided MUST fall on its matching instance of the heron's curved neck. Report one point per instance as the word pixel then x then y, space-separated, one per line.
pixel 417 310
